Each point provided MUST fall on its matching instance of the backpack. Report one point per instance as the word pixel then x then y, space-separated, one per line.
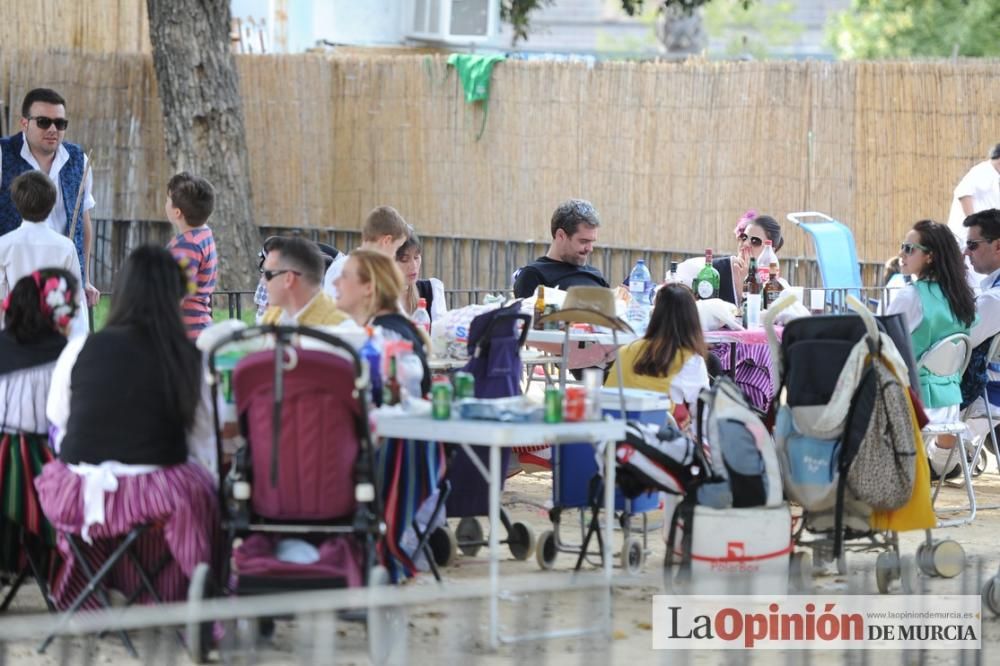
pixel 878 457
pixel 654 457
pixel 740 455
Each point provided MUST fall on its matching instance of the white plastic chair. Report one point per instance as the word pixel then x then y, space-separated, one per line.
pixel 950 356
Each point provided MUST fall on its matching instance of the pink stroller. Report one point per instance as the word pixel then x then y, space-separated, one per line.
pixel 300 493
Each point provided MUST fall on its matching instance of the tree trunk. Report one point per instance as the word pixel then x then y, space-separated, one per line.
pixel 203 122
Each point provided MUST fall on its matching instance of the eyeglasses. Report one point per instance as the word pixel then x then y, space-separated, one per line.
pixel 755 241
pixel 971 245
pixel 908 248
pixel 44 122
pixel 270 275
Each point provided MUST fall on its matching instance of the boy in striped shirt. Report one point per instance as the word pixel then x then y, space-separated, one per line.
pixel 190 201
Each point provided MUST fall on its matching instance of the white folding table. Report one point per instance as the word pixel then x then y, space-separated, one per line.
pixel 497 435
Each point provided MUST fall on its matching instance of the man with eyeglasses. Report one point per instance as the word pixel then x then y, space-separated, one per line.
pixel 574 231
pixel 293 273
pixel 40 146
pixel 982 248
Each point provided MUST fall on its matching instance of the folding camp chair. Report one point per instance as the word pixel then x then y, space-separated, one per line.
pixel 992 363
pixel 125 550
pixel 836 255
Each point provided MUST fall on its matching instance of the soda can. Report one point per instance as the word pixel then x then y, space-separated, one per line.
pixel 441 401
pixel 576 403
pixel 553 405
pixel 465 385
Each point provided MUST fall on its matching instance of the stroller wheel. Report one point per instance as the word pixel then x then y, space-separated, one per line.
pixel 444 546
pixel 908 574
pixel 886 570
pixel 800 568
pixel 545 551
pixel 945 558
pixel 521 541
pixel 199 634
pixel 387 625
pixel 991 595
pixel 632 556
pixel 470 536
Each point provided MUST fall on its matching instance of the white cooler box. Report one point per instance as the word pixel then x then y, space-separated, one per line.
pixel 736 551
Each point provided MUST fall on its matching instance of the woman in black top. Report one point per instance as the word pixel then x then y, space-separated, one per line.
pixel 409 258
pixel 129 405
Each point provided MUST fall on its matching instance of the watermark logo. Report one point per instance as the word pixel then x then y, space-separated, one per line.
pixel 817 622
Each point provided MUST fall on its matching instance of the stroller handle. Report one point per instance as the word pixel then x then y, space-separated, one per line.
pixel 796 218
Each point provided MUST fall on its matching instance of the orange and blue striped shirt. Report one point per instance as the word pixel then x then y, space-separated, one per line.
pixel 197 247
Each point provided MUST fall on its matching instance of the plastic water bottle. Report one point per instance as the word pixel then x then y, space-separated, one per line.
pixel 640 284
pixel 411 373
pixel 372 357
pixel 420 318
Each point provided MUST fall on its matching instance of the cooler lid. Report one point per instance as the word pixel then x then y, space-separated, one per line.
pixel 636 400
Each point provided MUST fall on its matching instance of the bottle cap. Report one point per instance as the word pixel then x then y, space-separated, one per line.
pixel 422 303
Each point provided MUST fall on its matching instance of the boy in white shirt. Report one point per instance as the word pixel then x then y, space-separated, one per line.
pixel 35 245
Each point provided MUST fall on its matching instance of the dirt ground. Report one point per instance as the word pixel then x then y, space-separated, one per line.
pixel 456 632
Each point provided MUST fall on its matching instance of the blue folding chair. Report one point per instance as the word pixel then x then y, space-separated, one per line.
pixel 836 255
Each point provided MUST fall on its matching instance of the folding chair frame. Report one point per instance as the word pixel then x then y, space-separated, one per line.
pixel 95 578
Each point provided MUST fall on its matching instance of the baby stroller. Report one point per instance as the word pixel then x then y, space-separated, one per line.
pixel 817 433
pixel 305 471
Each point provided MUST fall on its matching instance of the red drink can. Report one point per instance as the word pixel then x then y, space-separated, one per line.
pixel 576 403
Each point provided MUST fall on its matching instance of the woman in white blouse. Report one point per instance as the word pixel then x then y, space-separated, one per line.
pixel 37 314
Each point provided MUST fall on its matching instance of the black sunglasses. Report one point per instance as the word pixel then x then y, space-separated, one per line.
pixel 44 122
pixel 270 275
pixel 971 245
pixel 756 242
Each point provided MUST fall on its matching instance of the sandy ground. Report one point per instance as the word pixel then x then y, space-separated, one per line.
pixel 456 632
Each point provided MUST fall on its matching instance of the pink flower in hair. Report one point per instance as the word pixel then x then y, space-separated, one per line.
pixel 744 222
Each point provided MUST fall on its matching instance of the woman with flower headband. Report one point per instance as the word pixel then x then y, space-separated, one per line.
pixel 752 231
pixel 37 314
pixel 133 435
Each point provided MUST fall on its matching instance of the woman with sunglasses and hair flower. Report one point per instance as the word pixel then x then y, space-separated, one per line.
pixel 751 233
pixel 938 303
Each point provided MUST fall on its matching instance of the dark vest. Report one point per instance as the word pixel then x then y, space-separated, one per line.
pixel 119 405
pixel 70 177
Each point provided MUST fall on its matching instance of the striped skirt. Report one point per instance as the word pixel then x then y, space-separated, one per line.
pixel 752 373
pixel 408 473
pixel 22 457
pixel 179 501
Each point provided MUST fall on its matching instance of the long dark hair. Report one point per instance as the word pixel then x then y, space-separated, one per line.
pixel 947 268
pixel 147 298
pixel 24 317
pixel 674 326
pixel 771 229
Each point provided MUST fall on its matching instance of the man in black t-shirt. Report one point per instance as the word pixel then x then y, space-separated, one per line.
pixel 574 232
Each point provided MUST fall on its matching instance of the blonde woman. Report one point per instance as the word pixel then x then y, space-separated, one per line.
pixel 368 290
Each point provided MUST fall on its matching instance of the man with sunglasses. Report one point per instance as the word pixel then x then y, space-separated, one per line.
pixel 40 146
pixel 292 272
pixel 982 249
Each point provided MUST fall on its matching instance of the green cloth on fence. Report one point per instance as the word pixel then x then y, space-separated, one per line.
pixel 474 72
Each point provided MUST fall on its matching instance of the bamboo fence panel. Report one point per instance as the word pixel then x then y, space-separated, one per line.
pixel 104 26
pixel 670 154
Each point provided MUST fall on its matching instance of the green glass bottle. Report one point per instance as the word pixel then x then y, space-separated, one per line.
pixel 706 283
